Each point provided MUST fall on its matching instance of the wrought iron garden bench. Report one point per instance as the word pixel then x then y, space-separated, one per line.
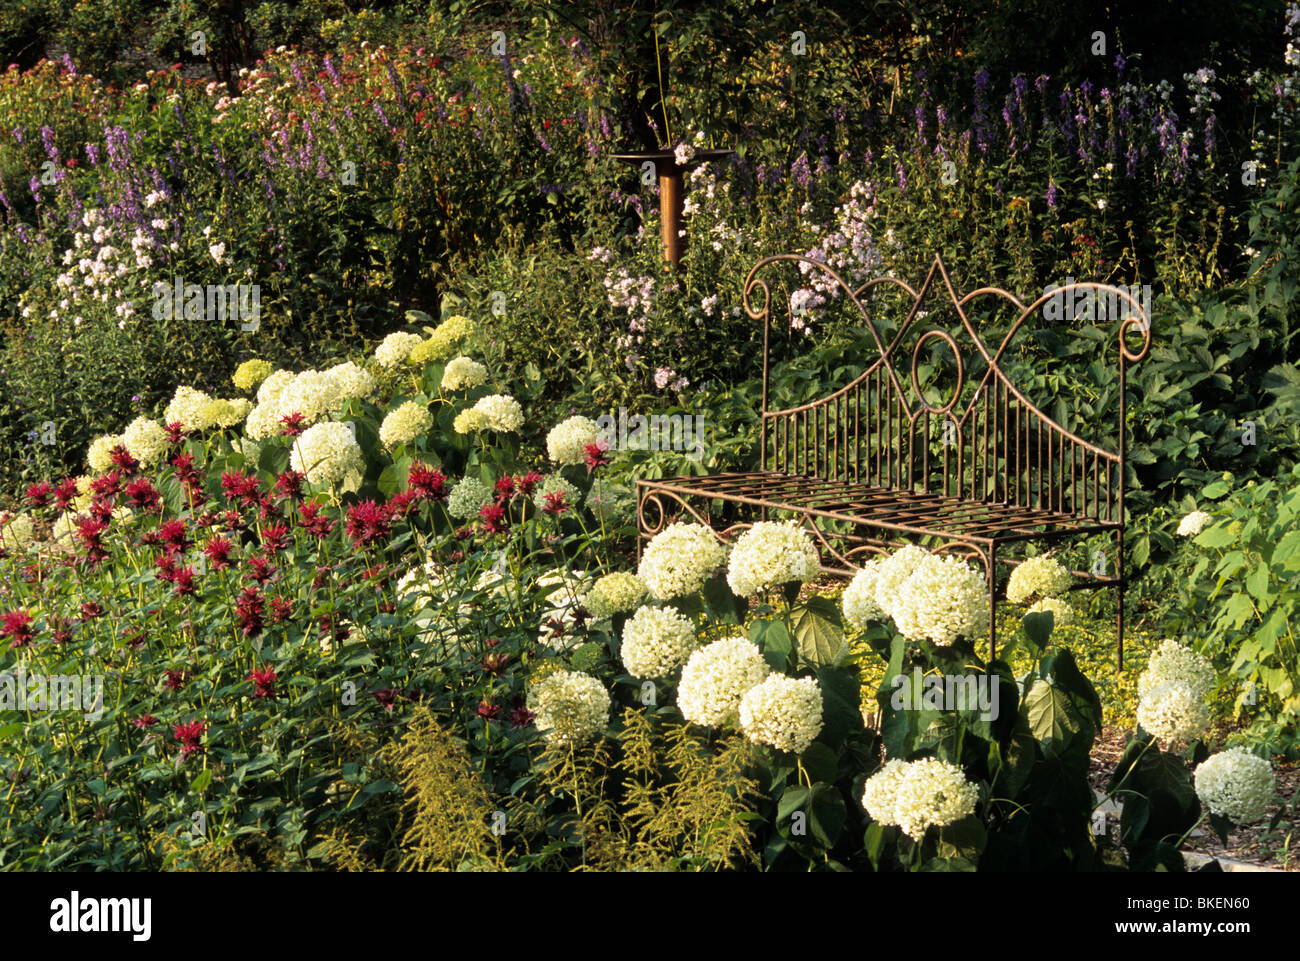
pixel 878 459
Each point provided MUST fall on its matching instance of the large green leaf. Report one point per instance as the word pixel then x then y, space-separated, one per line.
pixel 1053 718
pixel 818 632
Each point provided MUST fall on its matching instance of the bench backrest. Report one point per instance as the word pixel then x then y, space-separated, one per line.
pixel 988 442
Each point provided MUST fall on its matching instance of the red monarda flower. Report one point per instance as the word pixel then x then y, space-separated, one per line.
pixel 90 530
pixel 487 710
pixel 190 735
pixel 233 520
pixel 248 608
pixel 166 564
pixel 101 510
pixel 141 493
pixel 175 680
pixel 504 488
pixel 555 503
pixel 527 483
pixel 106 485
pixel 315 523
pixel 387 696
pixel 292 424
pixel 145 721
pixel 175 432
pixel 493 517
pixel 275 537
pixel 259 568
pixel 18 626
pixel 91 610
pixel 594 455
pixel 367 522
pixel 263 683
pixel 183 581
pixel 186 472
pixel 217 552
pixel 38 495
pixel 241 487
pixel 173 535
pixel 400 504
pixel 494 664
pixel 289 484
pixel 427 483
pixel 281 608
pixel 60 630
pixel 122 458
pixel 521 716
pixel 66 492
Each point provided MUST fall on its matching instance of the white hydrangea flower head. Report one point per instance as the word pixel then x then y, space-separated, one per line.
pixel 783 712
pixel 20 530
pixel 353 382
pixel 501 412
pixel 326 453
pixel 221 412
pixel 571 707
pixel 1235 784
pixel 469 420
pixel 892 571
pixel 146 441
pixel 404 423
pixel 395 348
pixel 462 373
pixel 65 529
pixel 656 641
pixel 1172 713
pixel 943 599
pixel 616 593
pixel 566 440
pixel 933 793
pixel 445 340
pixel 251 373
pixel 99 454
pixel 273 386
pixel 467 497
pixel 679 559
pixel 263 421
pixel 1193 523
pixel 880 793
pixel 715 679
pixel 187 407
pixel 312 393
pixel 1039 576
pixel 1061 611
pixel 1172 661
pixel 769 554
pixel 859 600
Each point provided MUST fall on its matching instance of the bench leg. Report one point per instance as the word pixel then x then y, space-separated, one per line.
pixel 993 612
pixel 1119 604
